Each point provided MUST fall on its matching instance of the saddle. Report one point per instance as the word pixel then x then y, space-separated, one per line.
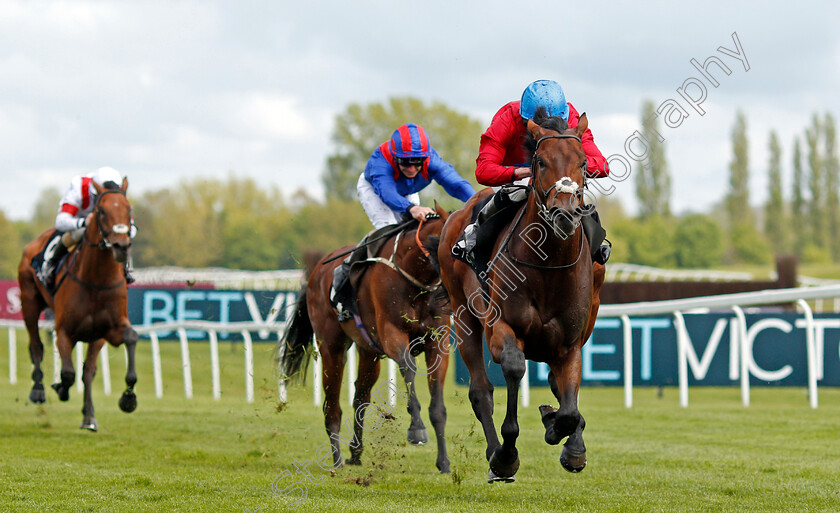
pixel 488 231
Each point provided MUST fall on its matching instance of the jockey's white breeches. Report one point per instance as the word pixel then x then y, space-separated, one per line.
pixel 377 211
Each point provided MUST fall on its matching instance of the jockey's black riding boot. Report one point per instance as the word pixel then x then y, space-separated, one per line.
pixel 341 290
pixel 52 255
pixel 503 198
pixel 599 246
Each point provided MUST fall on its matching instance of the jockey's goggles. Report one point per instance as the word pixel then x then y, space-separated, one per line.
pixel 410 161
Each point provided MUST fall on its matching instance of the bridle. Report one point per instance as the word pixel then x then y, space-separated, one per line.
pixel 564 185
pixel 392 262
pixel 541 197
pixel 104 243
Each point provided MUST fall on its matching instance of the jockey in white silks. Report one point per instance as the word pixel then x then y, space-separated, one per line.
pixel 73 212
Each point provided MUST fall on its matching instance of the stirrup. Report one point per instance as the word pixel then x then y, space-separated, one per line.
pixel 344 315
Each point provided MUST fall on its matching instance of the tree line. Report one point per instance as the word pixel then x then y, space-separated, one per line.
pixel 240 224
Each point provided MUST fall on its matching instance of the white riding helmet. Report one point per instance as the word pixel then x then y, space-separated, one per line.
pixel 107 174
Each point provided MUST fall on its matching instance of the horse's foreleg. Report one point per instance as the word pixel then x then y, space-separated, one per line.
pixel 505 460
pixel 89 421
pixel 128 400
pixel 368 374
pixel 437 360
pixel 417 433
pixel 566 420
pixel 68 372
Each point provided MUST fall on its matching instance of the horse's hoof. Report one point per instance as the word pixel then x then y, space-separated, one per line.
pixel 418 436
pixel 504 466
pixel 128 401
pixel 572 463
pixel 493 478
pixel 37 394
pixel 63 393
pixel 89 424
pixel 443 467
pixel 355 460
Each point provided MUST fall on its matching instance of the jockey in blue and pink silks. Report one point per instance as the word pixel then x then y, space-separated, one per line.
pixel 398 169
pixel 395 172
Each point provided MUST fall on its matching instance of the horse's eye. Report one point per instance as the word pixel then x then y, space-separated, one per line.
pixel 541 163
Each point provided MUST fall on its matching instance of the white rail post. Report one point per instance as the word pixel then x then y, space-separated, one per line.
pixel 56 359
pixel 214 364
pixel 525 387
pixel 682 357
pixel 351 373
pixel 80 365
pixel 811 348
pixel 282 392
pixel 185 361
pixel 156 370
pixel 249 366
pixel 105 363
pixel 392 377
pixel 317 374
pixel 745 354
pixel 628 361
pixel 12 356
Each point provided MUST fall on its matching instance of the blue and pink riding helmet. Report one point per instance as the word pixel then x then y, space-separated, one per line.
pixel 410 143
pixel 544 93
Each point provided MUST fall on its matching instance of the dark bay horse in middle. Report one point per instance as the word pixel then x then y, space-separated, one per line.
pixel 539 302
pixel 403 311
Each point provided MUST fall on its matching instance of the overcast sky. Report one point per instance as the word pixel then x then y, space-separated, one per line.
pixel 169 90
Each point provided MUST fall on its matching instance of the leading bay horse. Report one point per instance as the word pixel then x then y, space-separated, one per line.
pixel 540 300
pixel 90 300
pixel 404 311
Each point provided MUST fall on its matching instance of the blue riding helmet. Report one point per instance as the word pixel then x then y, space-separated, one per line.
pixel 544 93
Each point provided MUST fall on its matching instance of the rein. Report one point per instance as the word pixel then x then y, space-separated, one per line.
pixel 392 263
pixel 102 245
pixel 564 185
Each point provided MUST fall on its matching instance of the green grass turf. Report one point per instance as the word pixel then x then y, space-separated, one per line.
pixel 174 454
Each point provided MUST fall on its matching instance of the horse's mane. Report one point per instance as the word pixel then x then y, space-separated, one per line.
pixel 110 184
pixel 542 118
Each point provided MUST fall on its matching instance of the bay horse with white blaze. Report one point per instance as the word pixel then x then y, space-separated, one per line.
pixel 540 300
pixel 402 311
pixel 90 300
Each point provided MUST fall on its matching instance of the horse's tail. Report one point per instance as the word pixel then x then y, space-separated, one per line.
pixel 294 348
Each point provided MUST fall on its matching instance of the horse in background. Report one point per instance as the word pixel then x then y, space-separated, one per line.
pixel 403 311
pixel 90 300
pixel 539 300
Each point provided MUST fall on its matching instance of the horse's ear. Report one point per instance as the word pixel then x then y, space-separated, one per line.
pixel 98 187
pixel 583 124
pixel 442 212
pixel 124 184
pixel 533 129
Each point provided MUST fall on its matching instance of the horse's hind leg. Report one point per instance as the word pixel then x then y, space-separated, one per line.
pixel 566 420
pixel 505 459
pixel 68 372
pixel 368 374
pixel 333 354
pixel 89 421
pixel 32 308
pixel 128 400
pixel 437 360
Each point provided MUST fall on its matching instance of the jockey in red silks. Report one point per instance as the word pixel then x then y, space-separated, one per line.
pixel 396 171
pixel 503 159
pixel 74 212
